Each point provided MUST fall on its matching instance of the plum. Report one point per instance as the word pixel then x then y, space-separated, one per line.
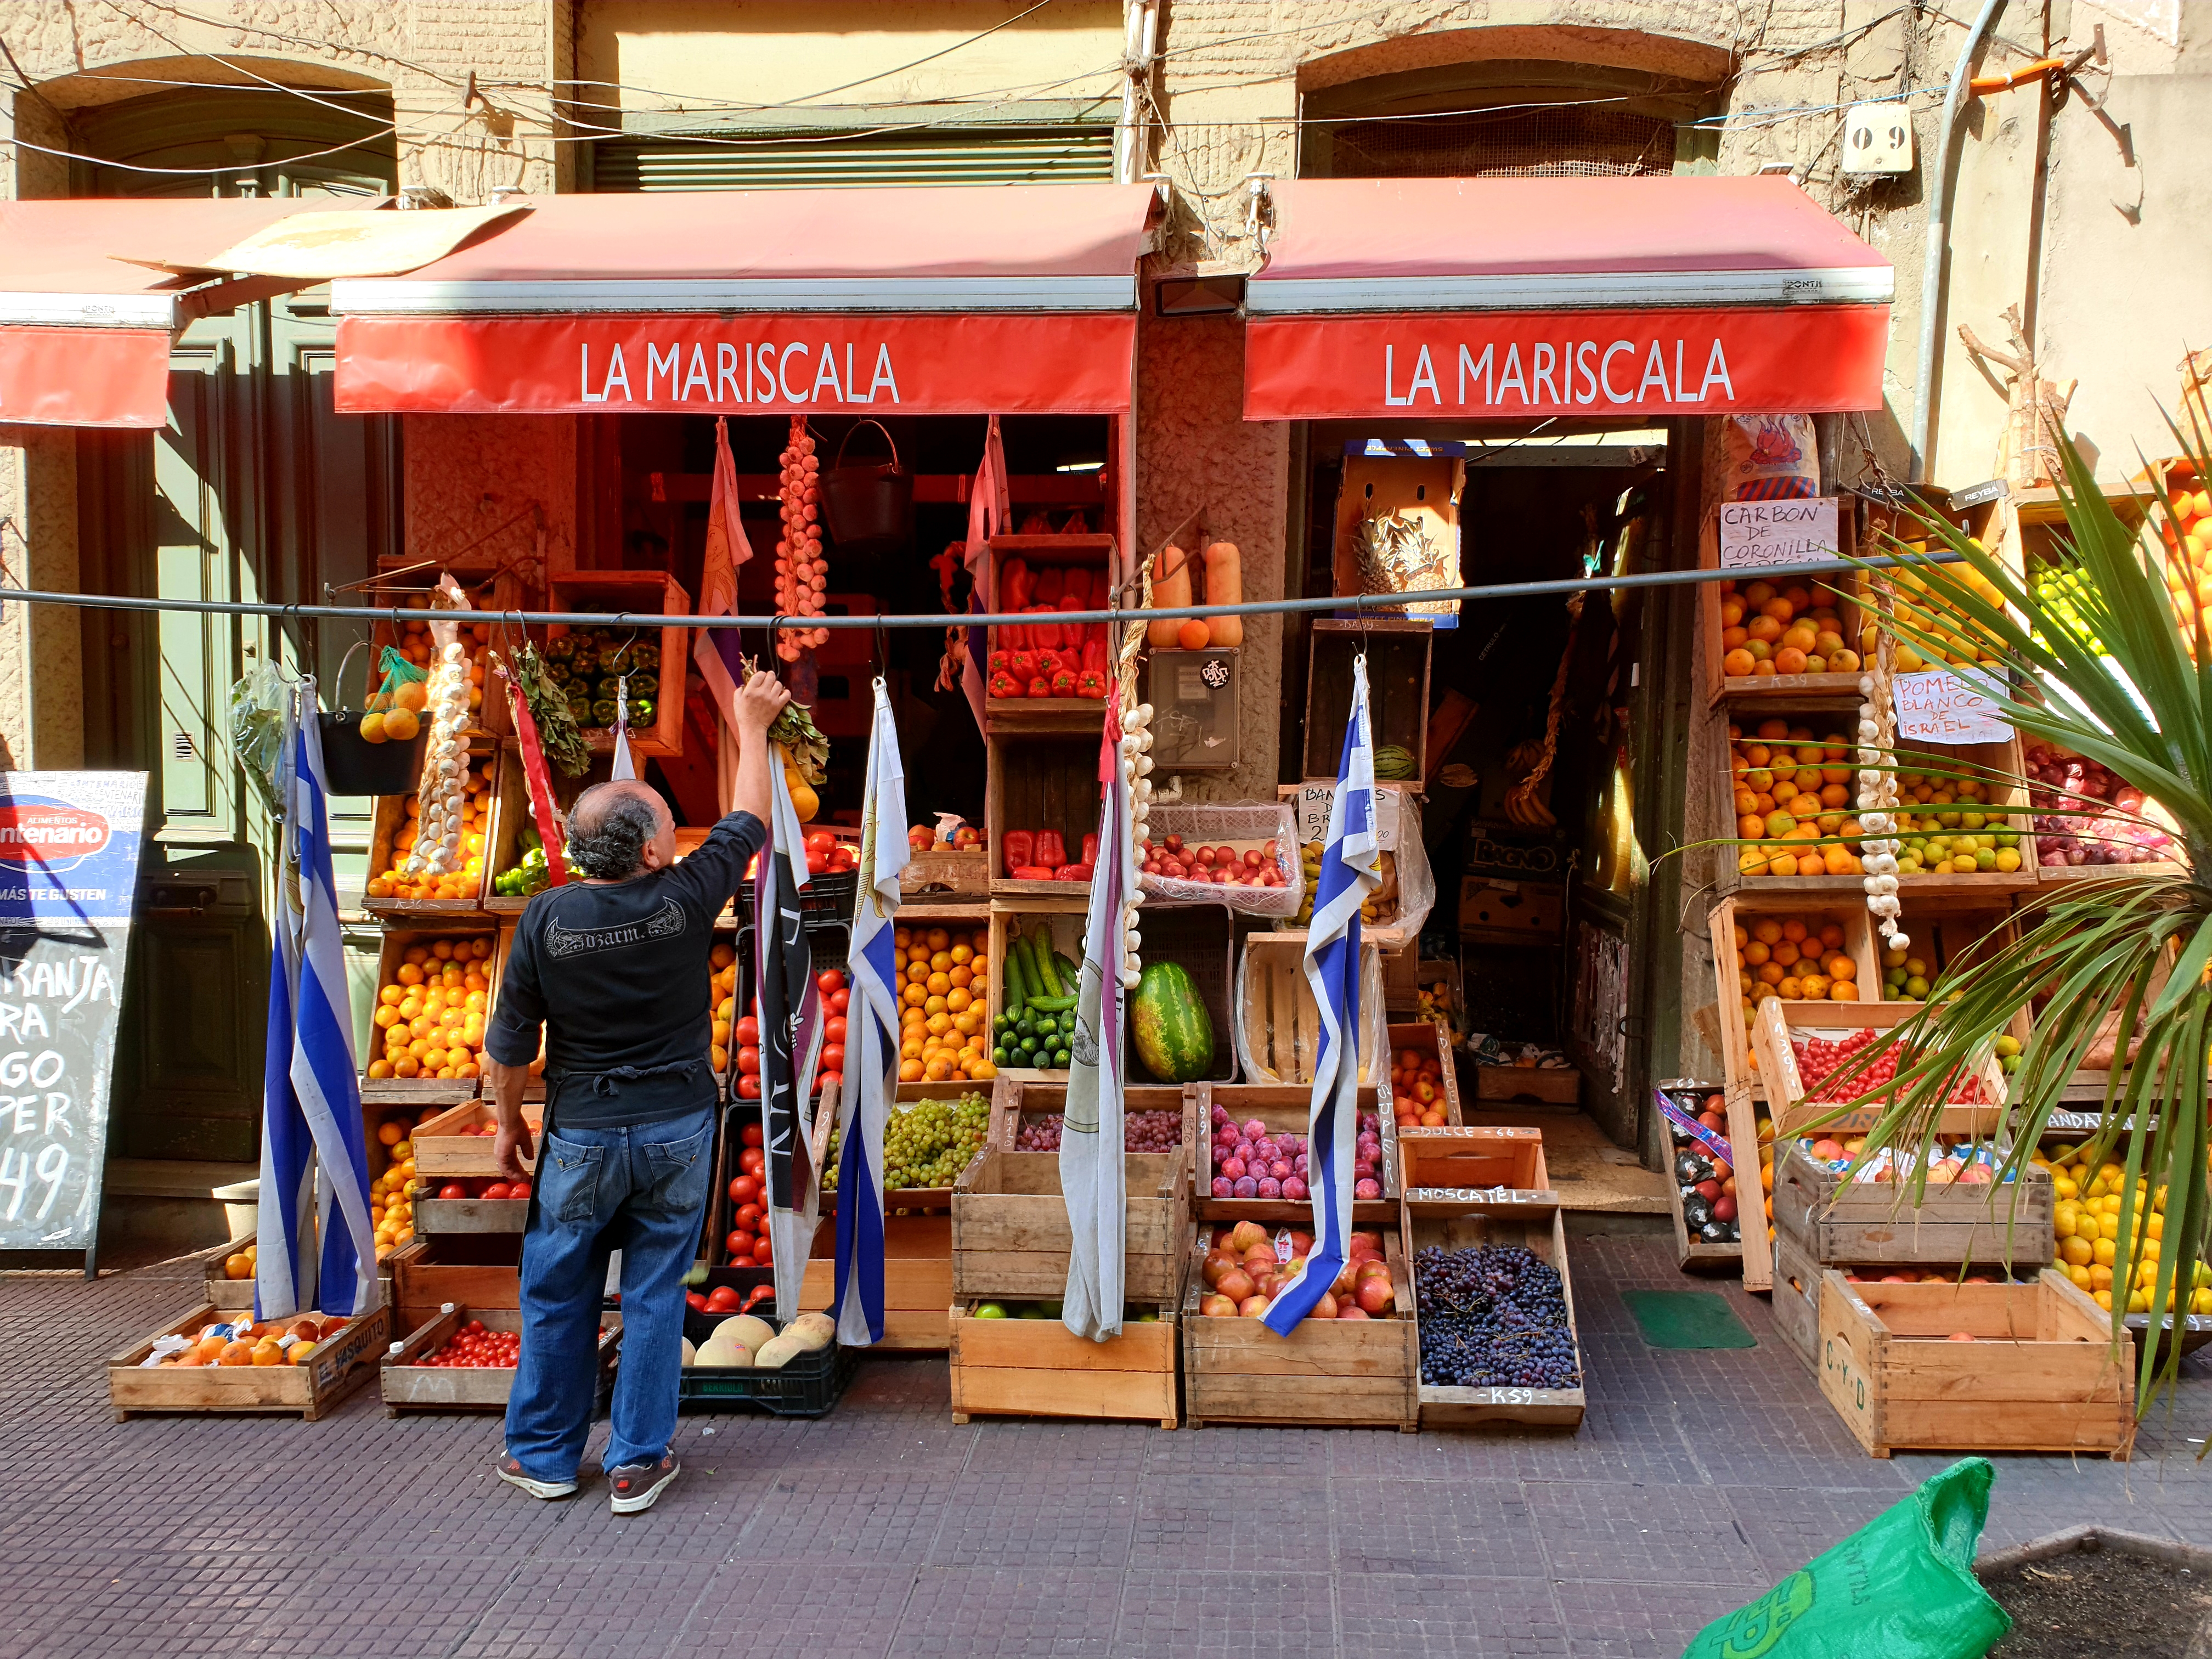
pixel 1270 1187
pixel 1368 1187
pixel 1224 1187
pixel 1294 1188
pixel 1245 1186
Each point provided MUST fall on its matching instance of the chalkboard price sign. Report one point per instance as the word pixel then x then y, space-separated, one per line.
pixel 69 844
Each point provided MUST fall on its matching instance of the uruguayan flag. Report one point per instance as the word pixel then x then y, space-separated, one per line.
pixel 873 1040
pixel 1092 1174
pixel 1351 869
pixel 318 1247
pixel 790 1045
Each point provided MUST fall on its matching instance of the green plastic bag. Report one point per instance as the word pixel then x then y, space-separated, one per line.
pixel 1901 1587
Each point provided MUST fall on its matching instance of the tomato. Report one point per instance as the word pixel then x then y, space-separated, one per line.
pixel 745 1189
pixel 738 1244
pixel 751 1135
pixel 519 1189
pixel 749 1061
pixel 840 1001
pixel 833 1059
pixel 820 841
pixel 696 1302
pixel 452 1189
pixel 748 1217
pixel 749 1088
pixel 474 1327
pixel 749 1030
pixel 818 863
pixel 764 1249
pixel 724 1298
pixel 834 1032
pixel 829 980
pixel 498 1189
pixel 753 1162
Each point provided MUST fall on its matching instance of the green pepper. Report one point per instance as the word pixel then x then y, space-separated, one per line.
pixel 643 711
pixel 603 712
pixel 560 650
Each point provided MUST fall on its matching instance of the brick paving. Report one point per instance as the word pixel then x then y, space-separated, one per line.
pixel 883 1530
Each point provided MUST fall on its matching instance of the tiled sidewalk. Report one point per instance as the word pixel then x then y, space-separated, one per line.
pixel 1698 1479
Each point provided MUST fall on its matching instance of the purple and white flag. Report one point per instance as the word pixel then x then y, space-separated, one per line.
pixel 1351 869
pixel 1092 1171
pixel 790 1045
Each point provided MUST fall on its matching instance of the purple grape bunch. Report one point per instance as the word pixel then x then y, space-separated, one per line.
pixel 1142 1131
pixel 1253 1161
pixel 1492 1316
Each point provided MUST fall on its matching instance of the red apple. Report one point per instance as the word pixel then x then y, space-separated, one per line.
pixel 1351 1310
pixel 1217 1262
pixel 1236 1285
pixel 1374 1295
pixel 1301 1240
pixel 1252 1306
pixel 1345 1279
pixel 1260 1256
pixel 1324 1308
pixel 1217 1307
pixel 1246 1234
pixel 1372 1267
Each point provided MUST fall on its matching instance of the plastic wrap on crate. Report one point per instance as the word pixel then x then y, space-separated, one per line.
pixel 1374 1019
pixel 1205 824
pixel 1398 825
pixel 1417 882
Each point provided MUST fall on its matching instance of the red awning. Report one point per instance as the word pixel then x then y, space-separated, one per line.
pixel 1499 298
pixel 937 302
pixel 84 336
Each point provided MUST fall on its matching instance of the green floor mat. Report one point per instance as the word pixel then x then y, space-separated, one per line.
pixel 1688 1319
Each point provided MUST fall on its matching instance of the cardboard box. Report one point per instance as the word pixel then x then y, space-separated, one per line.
pixel 1490 907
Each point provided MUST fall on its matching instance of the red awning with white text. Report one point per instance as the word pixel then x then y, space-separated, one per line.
pixel 85 335
pixel 1503 298
pixel 924 301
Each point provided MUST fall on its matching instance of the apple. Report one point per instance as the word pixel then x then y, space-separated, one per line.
pixel 1374 1295
pixel 1246 1234
pixel 1252 1306
pixel 1351 1310
pixel 1259 1256
pixel 1324 1308
pixel 1217 1262
pixel 1724 1207
pixel 1236 1285
pixel 1347 1277
pixel 1217 1306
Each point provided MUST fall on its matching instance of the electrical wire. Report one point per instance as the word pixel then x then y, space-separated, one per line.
pixel 390 130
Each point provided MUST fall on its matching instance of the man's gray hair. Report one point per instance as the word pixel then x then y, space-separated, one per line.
pixel 608 829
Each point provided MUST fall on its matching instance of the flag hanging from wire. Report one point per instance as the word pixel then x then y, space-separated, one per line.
pixel 317 1244
pixel 790 1043
pixel 1092 1171
pixel 872 1045
pixel 624 768
pixel 716 650
pixel 1351 869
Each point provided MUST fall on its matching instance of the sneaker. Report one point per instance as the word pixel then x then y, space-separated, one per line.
pixel 637 1485
pixel 513 1472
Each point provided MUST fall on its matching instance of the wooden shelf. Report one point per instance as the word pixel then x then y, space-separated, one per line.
pixel 1046 716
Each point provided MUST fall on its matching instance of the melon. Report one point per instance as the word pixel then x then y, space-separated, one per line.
pixel 1168 1026
pixel 811 1330
pixel 690 1354
pixel 780 1351
pixel 725 1347
pixel 749 1329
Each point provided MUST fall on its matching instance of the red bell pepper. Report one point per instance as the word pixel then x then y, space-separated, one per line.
pixel 1003 684
pixel 1014 586
pixel 1047 633
pixel 1019 846
pixel 1091 848
pixel 1075 590
pixel 1031 872
pixel 1091 684
pixel 1051 582
pixel 1050 849
pixel 1040 687
pixel 1022 665
pixel 998 662
pixel 1063 684
pixel 1094 656
pixel 1072 872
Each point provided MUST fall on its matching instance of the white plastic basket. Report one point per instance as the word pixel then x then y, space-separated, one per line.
pixel 1210 824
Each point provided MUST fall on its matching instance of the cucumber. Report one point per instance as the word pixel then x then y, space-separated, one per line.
pixel 1016 986
pixel 1052 1004
pixel 1071 976
pixel 1047 977
pixel 1032 981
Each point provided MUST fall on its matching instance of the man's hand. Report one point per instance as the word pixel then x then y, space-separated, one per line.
pixel 760 701
pixel 512 1146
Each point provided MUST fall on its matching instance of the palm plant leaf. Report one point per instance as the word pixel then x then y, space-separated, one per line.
pixel 2122 675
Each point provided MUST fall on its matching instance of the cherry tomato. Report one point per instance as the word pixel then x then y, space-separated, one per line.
pixel 840 1001
pixel 749 1030
pixel 833 1059
pixel 834 1030
pixel 749 1088
pixel 749 1061
pixel 829 980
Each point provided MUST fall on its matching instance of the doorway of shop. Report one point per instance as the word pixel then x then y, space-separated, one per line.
pixel 1549 779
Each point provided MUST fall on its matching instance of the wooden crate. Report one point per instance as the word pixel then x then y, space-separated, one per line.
pixel 1545 1085
pixel 1039 1368
pixel 1778 1062
pixel 1063 909
pixel 1428 1038
pixel 1326 1374
pixel 1281 1106
pixel 1454 1227
pixel 1041 781
pixel 1745 908
pixel 1462 1164
pixel 1010 1232
pixel 420 1091
pixel 445 1150
pixel 635 594
pixel 1797 1301
pixel 1019 1099
pixel 1832 1221
pixel 434 1216
pixel 1854 605
pixel 1692 1253
pixel 947 875
pixel 339 1363
pixel 1279 1022
pixel 1494 910
pixel 409 1385
pixel 226 1294
pixel 917 1280
pixel 474 1270
pixel 2040 1375
pixel 1397 652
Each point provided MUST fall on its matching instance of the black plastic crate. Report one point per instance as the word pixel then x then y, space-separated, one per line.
pixel 809 1386
pixel 827 899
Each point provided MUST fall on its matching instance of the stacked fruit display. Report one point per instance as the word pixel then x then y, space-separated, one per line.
pixel 1047 659
pixel 836 997
pixel 2093 1249
pixel 1790 787
pixel 474 1347
pixel 1830 1070
pixel 590 663
pixel 1917 604
pixel 1706 1182
pixel 1246 1266
pixel 2085 815
pixel 1250 1160
pixel 1035 1025
pixel 1417 1085
pixel 927 1143
pixel 399 879
pixel 802 574
pixel 414 642
pixel 1799 958
pixel 1142 1131
pixel 944 1004
pixel 2186 527
pixel 1777 628
pixel 746 1341
pixel 433 1010
pixel 747 1243
pixel 1493 1316
pixel 1240 864
pixel 1951 821
pixel 1378 907
pixel 258 1342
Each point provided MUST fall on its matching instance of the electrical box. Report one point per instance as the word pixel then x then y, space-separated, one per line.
pixel 1193 699
pixel 1878 137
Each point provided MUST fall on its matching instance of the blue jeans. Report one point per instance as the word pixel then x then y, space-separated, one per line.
pixel 641 1190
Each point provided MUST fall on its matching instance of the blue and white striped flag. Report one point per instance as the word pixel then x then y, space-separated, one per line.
pixel 318 1246
pixel 1351 869
pixel 873 1038
pixel 790 1045
pixel 1093 1176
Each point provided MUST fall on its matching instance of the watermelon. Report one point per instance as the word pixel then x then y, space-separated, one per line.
pixel 1393 762
pixel 1168 1026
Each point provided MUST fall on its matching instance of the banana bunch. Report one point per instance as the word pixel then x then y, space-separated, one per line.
pixel 1527 762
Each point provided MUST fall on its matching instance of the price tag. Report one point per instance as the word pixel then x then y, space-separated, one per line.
pixel 1759 535
pixel 1942 706
pixel 1315 799
pixel 1506 1396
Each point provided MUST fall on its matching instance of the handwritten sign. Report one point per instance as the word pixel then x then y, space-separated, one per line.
pixel 1943 707
pixel 69 874
pixel 1760 535
pixel 1313 801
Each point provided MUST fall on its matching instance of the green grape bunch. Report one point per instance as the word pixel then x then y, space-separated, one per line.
pixel 927 1144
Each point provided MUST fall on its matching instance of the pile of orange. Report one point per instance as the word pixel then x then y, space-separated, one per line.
pixel 723 962
pixel 1789 787
pixel 1769 628
pixel 414 642
pixel 260 1343
pixel 392 881
pixel 1797 958
pixel 945 1023
pixel 2186 530
pixel 433 1013
pixel 391 1195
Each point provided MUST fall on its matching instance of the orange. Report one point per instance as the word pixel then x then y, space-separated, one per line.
pixel 414 694
pixel 1738 664
pixel 1789 660
pixel 235 1354
pixel 401 725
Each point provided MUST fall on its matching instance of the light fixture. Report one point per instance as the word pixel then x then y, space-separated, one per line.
pixel 1213 294
pixel 1080 466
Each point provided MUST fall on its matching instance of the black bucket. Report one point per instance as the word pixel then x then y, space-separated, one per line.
pixel 356 767
pixel 869 509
